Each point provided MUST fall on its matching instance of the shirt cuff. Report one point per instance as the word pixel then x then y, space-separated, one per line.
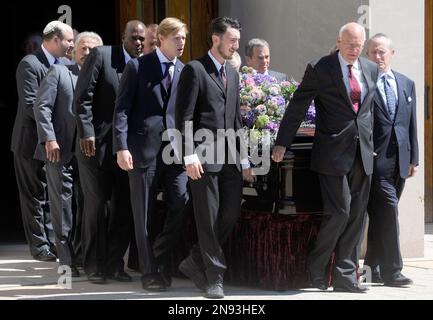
pixel 191 159
pixel 245 163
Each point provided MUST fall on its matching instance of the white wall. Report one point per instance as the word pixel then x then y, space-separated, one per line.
pixel 403 21
pixel 299 31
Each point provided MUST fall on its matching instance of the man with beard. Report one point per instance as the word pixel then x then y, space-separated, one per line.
pixel 208 96
pixel 58 41
pixel 105 234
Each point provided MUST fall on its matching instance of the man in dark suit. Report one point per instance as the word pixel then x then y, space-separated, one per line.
pixel 58 40
pixel 208 98
pixel 258 57
pixel 396 145
pixel 144 110
pixel 56 126
pixel 342 86
pixel 107 217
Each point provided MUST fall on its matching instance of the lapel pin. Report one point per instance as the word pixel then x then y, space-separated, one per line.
pixel 409 99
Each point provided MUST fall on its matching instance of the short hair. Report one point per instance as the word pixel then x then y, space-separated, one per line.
pixel 54 28
pixel 152 26
pixel 346 26
pixel 220 25
pixel 235 61
pixel 88 34
pixel 170 25
pixel 381 35
pixel 255 42
pixel 133 24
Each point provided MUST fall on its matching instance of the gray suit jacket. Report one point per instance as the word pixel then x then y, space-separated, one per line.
pixel 30 72
pixel 53 110
pixel 278 75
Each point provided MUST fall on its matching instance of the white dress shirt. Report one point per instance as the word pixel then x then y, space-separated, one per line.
pixel 357 73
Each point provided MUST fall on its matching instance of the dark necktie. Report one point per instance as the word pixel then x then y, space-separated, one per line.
pixel 391 100
pixel 167 77
pixel 223 77
pixel 355 90
pixel 56 61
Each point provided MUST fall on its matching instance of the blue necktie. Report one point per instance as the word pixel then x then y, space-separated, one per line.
pixel 56 61
pixel 391 100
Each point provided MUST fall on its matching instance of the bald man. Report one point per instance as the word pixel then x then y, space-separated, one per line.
pixel 342 86
pixel 107 220
pixel 58 41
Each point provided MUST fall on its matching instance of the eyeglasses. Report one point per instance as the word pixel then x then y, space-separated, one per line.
pixel 135 38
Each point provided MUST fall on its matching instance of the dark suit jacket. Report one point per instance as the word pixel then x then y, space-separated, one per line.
pixel 55 119
pixel 203 100
pixel 278 75
pixel 95 96
pixel 139 113
pixel 338 127
pixel 402 133
pixel 30 72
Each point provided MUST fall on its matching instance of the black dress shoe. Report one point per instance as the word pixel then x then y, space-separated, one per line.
pixel 120 276
pixel 45 255
pixel 97 278
pixel 376 277
pixel 214 291
pixel 165 275
pixel 351 287
pixel 319 283
pixel 398 280
pixel 153 283
pixel 192 271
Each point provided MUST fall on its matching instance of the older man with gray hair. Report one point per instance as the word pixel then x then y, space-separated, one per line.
pixel 258 57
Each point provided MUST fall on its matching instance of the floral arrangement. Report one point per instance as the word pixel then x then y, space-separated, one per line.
pixel 263 102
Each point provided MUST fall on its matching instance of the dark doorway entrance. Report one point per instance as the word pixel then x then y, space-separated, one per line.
pixel 17 20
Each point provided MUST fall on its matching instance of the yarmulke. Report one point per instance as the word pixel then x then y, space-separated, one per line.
pixel 51 27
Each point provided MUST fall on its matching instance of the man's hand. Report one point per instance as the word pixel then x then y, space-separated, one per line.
pixel 87 146
pixel 194 170
pixel 124 160
pixel 278 153
pixel 412 170
pixel 52 150
pixel 248 175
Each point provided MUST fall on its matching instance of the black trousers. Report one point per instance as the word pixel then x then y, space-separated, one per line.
pixel 107 214
pixel 154 250
pixel 217 205
pixel 344 210
pixel 383 244
pixel 32 187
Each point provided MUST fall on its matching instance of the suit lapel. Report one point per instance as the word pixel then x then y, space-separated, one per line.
pixel 381 104
pixel 213 72
pixel 118 60
pixel 156 77
pixel 401 94
pixel 39 53
pixel 337 75
pixel 366 73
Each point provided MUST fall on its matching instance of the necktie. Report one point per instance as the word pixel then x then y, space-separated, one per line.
pixel 223 77
pixel 167 77
pixel 355 90
pixel 56 61
pixel 391 100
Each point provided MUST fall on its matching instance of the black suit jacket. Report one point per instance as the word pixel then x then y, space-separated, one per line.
pixel 95 96
pixel 399 135
pixel 139 113
pixel 30 72
pixel 338 127
pixel 202 99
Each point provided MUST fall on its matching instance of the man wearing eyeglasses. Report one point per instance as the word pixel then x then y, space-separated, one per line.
pixel 105 186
